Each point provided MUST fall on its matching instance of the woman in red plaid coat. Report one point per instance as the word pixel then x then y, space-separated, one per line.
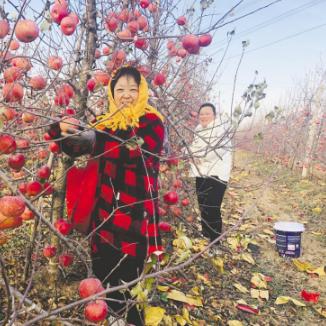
pixel 124 225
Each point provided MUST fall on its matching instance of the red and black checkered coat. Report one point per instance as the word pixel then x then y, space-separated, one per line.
pixel 126 213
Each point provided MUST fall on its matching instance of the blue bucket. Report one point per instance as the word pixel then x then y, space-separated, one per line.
pixel 288 238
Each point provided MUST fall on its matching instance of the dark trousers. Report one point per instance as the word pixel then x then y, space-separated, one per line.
pixel 210 193
pixel 110 267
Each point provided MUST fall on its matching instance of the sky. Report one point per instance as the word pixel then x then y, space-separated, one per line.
pixel 283 63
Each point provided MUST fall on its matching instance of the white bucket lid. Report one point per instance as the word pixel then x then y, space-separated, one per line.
pixel 289 226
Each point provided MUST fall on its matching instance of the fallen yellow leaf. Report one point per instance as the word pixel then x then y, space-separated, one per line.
pixel 219 264
pixel 246 256
pixel 180 320
pixel 316 210
pixel 234 323
pixel 259 280
pixel 180 296
pixel 320 271
pixel 321 311
pixel 153 315
pixel 269 232
pixel 286 299
pixel 262 294
pixel 240 287
pixel 163 288
pixel 301 265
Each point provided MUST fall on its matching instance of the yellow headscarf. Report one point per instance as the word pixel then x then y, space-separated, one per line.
pixel 129 116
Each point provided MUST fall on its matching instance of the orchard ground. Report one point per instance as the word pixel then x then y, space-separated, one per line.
pixel 247 275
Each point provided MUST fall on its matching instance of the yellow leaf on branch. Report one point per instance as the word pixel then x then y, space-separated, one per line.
pixel 180 296
pixel 153 315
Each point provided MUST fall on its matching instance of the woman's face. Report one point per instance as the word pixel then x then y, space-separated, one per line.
pixel 206 115
pixel 126 91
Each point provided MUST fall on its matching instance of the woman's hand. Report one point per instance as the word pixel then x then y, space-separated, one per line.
pixel 69 126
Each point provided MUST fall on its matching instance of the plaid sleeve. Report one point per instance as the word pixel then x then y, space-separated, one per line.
pixel 152 133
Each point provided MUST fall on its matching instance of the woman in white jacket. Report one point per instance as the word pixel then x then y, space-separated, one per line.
pixel 211 164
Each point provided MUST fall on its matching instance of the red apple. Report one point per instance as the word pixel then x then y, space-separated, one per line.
pixel 13 92
pixel 33 188
pixel 141 44
pixel 8 222
pixel 66 89
pixel 22 143
pixel 4 28
pixel 42 154
pixel 106 50
pixel 91 83
pixel 14 45
pixel 182 53
pixel 66 260
pixel 54 147
pixel 133 26
pixel 181 21
pixel 37 82
pixel 49 251
pixel 101 77
pixel 152 7
pixel 63 226
pixel 172 161
pixel 58 12
pixel 144 3
pixel 119 55
pixel 12 74
pixel 48 188
pixel 69 111
pixel 177 183
pixel 165 227
pixel 124 15
pixel 171 197
pixel 23 63
pixel 142 22
pixel 26 31
pixel 28 117
pixel 8 113
pixel 191 43
pixel 44 172
pixel 205 40
pixel 112 24
pixel 176 211
pixel 16 161
pixel 61 99
pixel 90 286
pixel 12 206
pixel 7 144
pixel 22 187
pixel 68 25
pixel 185 202
pixel 47 137
pixel 55 63
pixel 27 214
pixel 96 311
pixel 159 79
